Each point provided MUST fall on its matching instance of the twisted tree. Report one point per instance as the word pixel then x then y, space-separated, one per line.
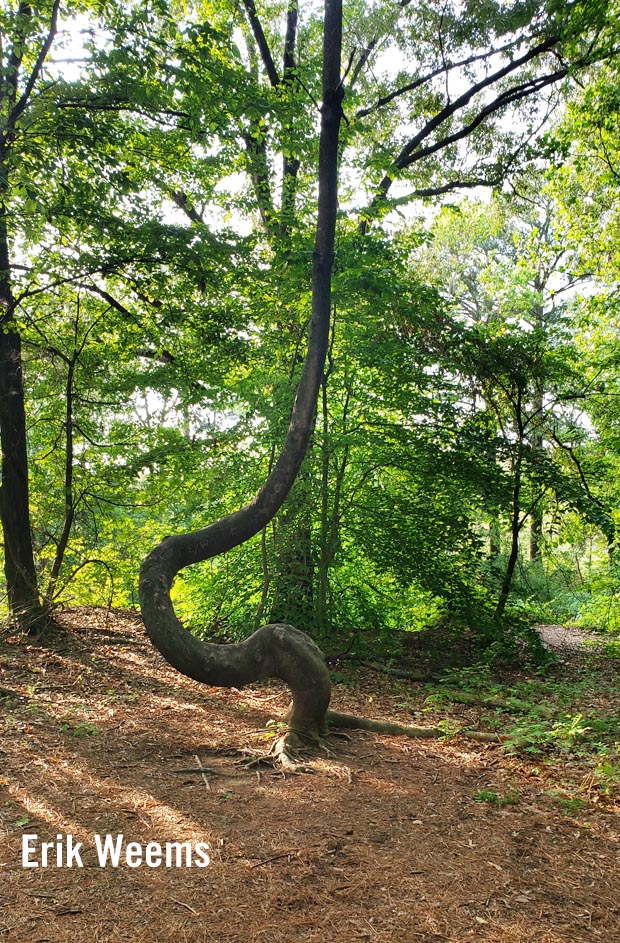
pixel 532 51
pixel 273 651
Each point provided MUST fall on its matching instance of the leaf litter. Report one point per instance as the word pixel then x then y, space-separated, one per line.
pixel 385 841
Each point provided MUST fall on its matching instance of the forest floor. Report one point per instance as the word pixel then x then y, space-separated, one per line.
pixel 407 841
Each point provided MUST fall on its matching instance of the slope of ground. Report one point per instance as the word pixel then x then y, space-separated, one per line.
pixel 388 840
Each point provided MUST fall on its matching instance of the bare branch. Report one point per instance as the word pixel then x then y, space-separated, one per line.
pixel 509 97
pixel 582 477
pixel 261 42
pixel 290 165
pixel 491 180
pixel 409 155
pixel 17 54
pixel 405 156
pixel 372 45
pixel 21 105
pixel 183 201
pixel 606 159
pixel 290 39
pixel 163 357
pixel 450 187
pixel 121 104
pixel 444 62
pixel 444 67
pixel 363 59
pixel 105 269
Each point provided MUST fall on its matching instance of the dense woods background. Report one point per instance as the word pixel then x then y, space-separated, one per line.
pixel 157 210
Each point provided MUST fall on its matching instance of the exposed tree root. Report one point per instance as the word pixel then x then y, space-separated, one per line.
pixel 513 704
pixel 287 750
pixel 284 754
pixel 353 722
pixel 291 749
pixel 401 672
pixel 287 755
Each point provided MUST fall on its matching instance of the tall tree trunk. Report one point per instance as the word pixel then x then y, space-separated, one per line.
pixel 69 515
pixel 323 587
pixel 515 522
pixel 293 590
pixel 514 544
pixel 19 567
pixel 495 547
pixel 273 650
pixel 330 516
pixel 536 436
pixel 16 91
pixel 536 533
pixel 290 165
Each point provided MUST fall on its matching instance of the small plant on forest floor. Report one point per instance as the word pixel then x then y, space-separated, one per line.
pixel 604 778
pixel 569 804
pixel 80 730
pixel 540 716
pixel 275 728
pixel 34 710
pixel 512 797
pixel 578 734
pixel 449 727
pixel 611 649
pixel 341 677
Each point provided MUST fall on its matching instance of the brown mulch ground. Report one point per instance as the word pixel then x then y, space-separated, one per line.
pixel 384 842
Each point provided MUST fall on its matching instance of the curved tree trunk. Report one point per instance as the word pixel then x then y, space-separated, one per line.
pixel 276 651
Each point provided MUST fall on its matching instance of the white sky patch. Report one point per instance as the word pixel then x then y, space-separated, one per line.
pixel 69 54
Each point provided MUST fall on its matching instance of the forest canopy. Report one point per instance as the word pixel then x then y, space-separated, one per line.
pixel 158 206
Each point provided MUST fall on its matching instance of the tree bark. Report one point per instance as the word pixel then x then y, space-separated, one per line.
pixel 515 524
pixel 69 515
pixel 330 517
pixel 16 91
pixel 293 585
pixel 278 651
pixel 19 566
pixel 536 534
pixel 538 412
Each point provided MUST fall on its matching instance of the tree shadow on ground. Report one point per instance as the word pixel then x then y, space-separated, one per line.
pixel 386 840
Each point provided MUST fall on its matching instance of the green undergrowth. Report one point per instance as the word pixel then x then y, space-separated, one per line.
pixel 561 717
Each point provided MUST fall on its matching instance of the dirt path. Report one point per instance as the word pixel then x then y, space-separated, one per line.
pixel 386 841
pixel 563 639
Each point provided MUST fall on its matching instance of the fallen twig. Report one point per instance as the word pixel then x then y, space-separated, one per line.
pixel 182 903
pixel 401 672
pixel 203 771
pixel 284 854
